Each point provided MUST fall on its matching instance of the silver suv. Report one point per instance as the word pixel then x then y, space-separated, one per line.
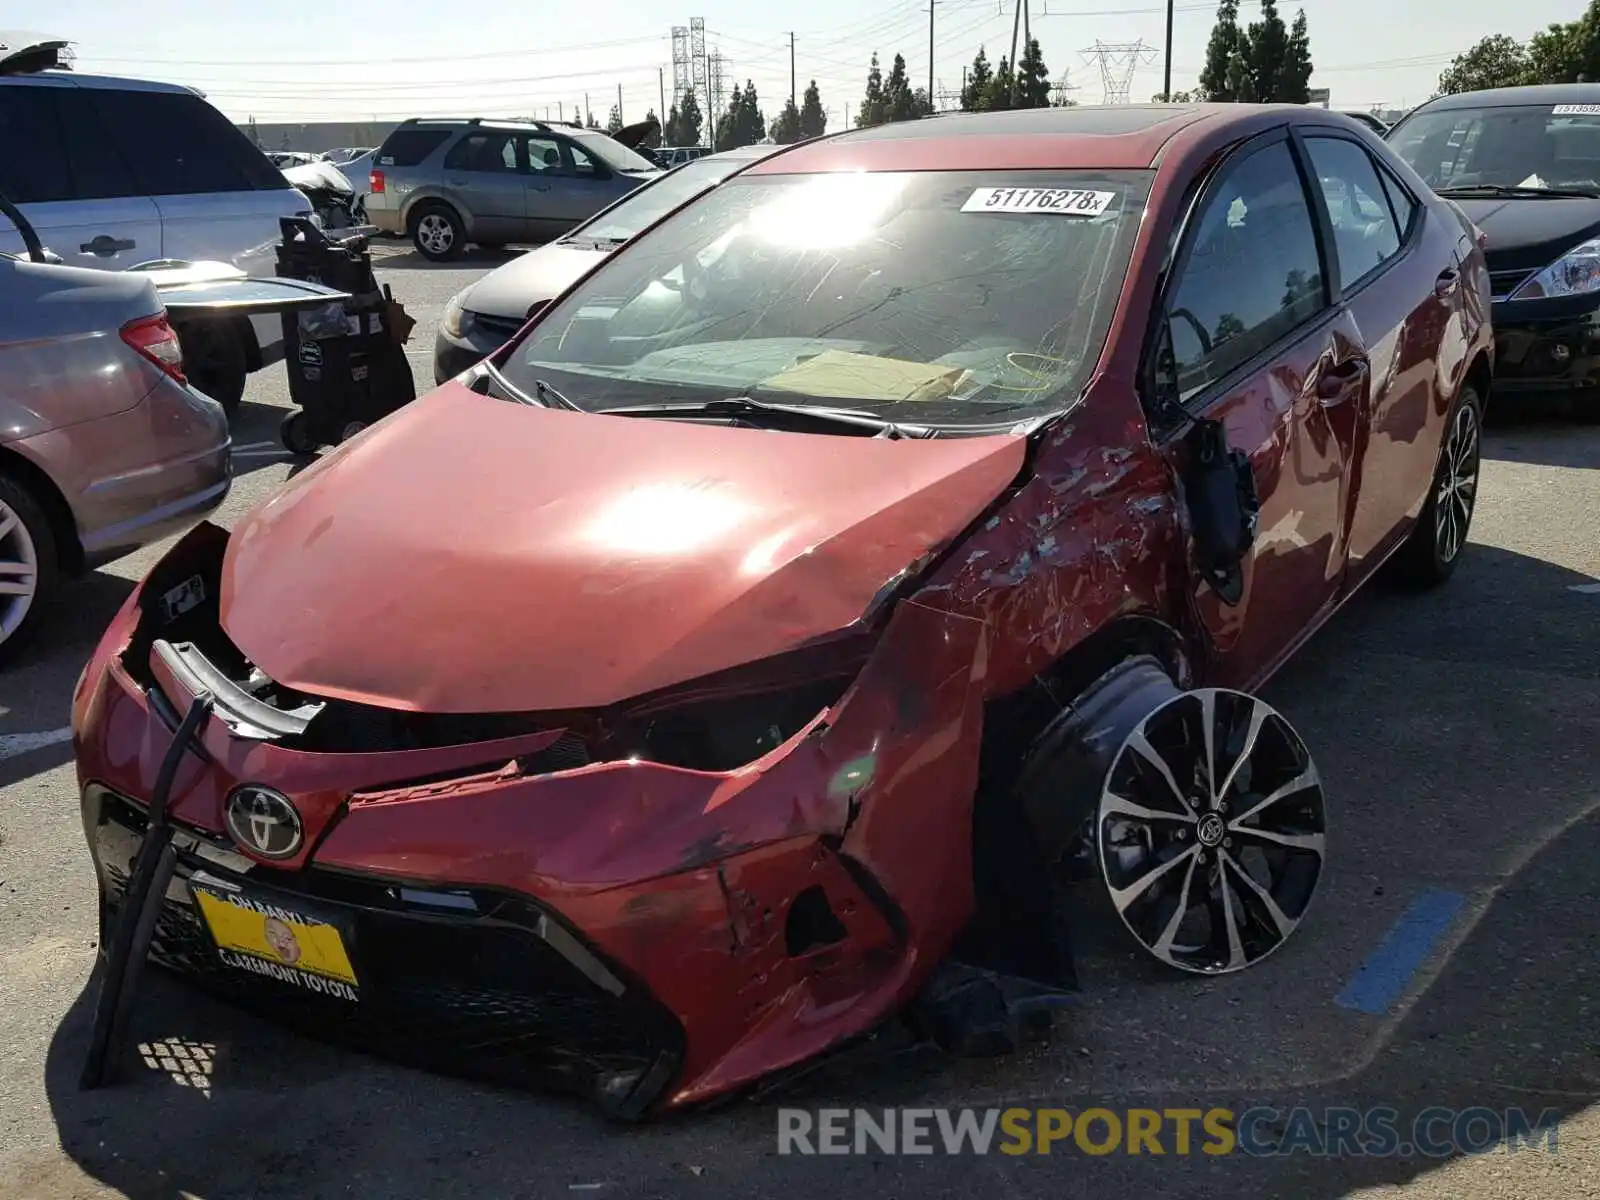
pixel 445 183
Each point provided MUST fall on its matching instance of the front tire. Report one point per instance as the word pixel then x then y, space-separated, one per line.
pixel 437 232
pixel 29 565
pixel 1433 550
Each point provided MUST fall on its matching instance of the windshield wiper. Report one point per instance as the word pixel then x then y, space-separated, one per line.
pixel 745 406
pixel 1500 189
pixel 547 396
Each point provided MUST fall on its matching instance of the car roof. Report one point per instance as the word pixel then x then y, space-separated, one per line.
pixel 1112 137
pixel 743 152
pixel 497 123
pixel 1544 93
pixel 77 79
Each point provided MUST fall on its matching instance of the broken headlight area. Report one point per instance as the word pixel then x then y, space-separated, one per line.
pixel 179 649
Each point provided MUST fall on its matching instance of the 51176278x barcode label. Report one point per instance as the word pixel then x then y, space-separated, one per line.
pixel 1063 202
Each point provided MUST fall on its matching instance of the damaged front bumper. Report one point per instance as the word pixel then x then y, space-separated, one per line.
pixel 648 934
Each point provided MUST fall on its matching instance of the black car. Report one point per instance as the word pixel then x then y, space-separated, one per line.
pixel 1524 165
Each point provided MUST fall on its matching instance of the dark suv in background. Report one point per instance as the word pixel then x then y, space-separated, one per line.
pixel 446 182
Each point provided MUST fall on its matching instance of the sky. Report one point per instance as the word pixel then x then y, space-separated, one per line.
pixel 279 61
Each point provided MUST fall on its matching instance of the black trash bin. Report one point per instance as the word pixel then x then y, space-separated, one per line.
pixel 347 362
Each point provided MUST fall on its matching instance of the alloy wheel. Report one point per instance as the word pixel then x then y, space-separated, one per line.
pixel 1457 490
pixel 436 234
pixel 19 570
pixel 1210 831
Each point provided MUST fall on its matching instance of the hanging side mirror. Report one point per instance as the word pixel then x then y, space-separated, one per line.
pixel 1224 506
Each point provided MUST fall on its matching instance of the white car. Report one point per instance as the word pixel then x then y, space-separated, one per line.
pixel 294 158
pixel 117 172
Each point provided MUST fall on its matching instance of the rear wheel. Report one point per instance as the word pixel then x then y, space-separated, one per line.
pixel 1433 550
pixel 29 565
pixel 437 232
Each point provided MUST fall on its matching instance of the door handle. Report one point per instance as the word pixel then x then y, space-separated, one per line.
pixel 1338 381
pixel 455 182
pixel 1446 282
pixel 105 245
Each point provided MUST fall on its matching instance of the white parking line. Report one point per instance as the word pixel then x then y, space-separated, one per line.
pixel 1586 589
pixel 12 744
pixel 253 446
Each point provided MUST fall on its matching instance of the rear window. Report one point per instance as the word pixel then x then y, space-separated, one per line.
pixel 408 147
pixel 179 145
pixel 951 298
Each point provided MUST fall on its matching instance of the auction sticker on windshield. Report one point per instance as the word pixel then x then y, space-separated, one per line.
pixel 1574 110
pixel 1065 202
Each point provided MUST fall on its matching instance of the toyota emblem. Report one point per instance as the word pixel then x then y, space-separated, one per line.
pixel 263 821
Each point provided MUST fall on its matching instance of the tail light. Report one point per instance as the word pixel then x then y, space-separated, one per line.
pixel 375 182
pixel 155 339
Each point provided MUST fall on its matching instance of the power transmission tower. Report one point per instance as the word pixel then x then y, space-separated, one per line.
pixel 1061 90
pixel 682 72
pixel 701 68
pixel 1118 61
pixel 718 71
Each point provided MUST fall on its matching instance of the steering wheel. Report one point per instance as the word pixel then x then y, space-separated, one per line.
pixel 1194 324
pixel 30 239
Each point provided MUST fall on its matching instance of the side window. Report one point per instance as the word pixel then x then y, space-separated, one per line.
pixel 177 144
pixel 33 155
pixel 1400 202
pixel 408 147
pixel 582 164
pixel 1364 231
pixel 98 169
pixel 494 152
pixel 544 154
pixel 1252 273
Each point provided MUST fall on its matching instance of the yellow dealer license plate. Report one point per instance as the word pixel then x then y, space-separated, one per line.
pixel 279 943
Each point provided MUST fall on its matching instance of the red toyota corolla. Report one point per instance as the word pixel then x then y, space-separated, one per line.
pixel 815 615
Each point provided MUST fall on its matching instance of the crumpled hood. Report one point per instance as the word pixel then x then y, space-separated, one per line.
pixel 473 555
pixel 537 277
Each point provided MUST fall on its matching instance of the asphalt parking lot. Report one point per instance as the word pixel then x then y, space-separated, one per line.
pixel 1452 958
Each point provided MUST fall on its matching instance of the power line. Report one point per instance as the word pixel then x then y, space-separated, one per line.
pixel 375 62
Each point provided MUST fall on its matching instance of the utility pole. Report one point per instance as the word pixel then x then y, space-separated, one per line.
pixel 1016 27
pixel 661 82
pixel 930 51
pixel 619 102
pixel 588 114
pixel 791 67
pixel 1166 82
pixel 561 112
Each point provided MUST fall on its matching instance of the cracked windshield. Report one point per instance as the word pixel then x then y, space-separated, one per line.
pixel 948 298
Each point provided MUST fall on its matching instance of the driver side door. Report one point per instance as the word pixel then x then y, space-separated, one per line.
pixel 1259 346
